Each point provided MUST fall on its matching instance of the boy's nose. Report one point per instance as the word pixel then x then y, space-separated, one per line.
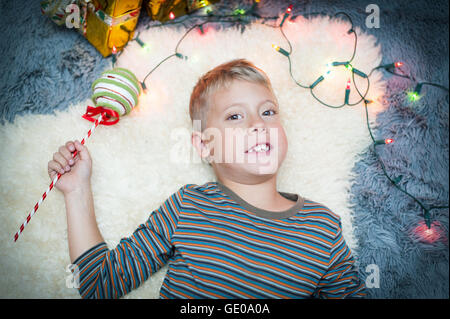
pixel 257 129
pixel 257 126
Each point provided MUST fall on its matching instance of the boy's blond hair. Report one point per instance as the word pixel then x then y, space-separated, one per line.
pixel 221 77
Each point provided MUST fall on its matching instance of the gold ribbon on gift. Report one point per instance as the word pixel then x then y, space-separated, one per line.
pixel 112 21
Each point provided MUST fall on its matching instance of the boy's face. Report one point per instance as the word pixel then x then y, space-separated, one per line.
pixel 241 117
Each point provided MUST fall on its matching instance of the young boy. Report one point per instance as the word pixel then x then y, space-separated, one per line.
pixel 235 238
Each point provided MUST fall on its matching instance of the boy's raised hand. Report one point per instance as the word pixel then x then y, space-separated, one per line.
pixel 75 172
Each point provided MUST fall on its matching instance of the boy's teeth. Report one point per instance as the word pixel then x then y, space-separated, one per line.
pixel 260 148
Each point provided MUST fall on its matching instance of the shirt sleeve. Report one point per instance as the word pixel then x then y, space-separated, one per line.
pixel 341 279
pixel 105 273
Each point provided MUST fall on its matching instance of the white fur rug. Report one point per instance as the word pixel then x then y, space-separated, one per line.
pixel 132 170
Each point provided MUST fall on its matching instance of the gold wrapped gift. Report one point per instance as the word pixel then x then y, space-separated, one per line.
pixel 108 23
pixel 164 10
pixel 105 23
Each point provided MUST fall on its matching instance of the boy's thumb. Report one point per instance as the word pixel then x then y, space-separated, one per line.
pixel 82 150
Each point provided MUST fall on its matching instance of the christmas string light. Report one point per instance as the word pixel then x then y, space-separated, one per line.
pixel 319 79
pixel 358 72
pixel 114 53
pixel 286 14
pixel 141 43
pixel 391 65
pixel 203 3
pixel 385 141
pixel 347 92
pixel 339 63
pixel 177 54
pixel 395 181
pixel 388 67
pixel 281 50
pixel 336 63
pixel 251 12
pixel 415 95
pixel 429 235
pixel 239 12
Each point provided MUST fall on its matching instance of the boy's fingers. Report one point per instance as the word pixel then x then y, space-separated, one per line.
pixel 70 146
pixel 66 154
pixel 57 157
pixel 55 167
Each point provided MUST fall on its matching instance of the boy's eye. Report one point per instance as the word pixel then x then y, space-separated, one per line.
pixel 273 112
pixel 233 117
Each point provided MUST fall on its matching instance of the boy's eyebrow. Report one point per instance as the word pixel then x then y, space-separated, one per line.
pixel 237 104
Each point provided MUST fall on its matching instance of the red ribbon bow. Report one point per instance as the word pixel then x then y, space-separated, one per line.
pixel 91 111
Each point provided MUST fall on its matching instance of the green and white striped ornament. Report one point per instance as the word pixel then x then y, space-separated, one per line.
pixel 117 89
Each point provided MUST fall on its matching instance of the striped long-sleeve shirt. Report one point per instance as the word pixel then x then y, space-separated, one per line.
pixel 219 246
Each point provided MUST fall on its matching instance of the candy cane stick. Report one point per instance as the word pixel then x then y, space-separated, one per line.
pixel 33 211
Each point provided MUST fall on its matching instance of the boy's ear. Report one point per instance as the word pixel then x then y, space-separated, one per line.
pixel 199 144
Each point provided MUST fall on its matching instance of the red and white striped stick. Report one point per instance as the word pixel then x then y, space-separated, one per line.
pixel 33 211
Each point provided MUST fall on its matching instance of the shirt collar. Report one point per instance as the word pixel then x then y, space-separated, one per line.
pixel 299 202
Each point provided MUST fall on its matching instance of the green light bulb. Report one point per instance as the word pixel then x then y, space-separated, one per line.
pixel 413 96
pixel 141 43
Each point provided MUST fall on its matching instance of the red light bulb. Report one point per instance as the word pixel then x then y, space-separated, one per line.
pixel 398 64
pixel 348 85
pixel 171 16
pixel 114 50
pixel 289 9
pixel 430 235
pixel 389 141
